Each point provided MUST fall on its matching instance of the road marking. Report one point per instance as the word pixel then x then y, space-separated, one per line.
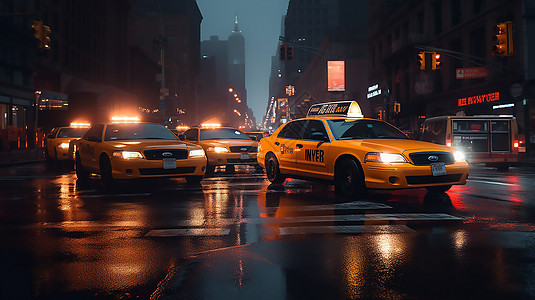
pixel 366 229
pixel 188 232
pixel 115 195
pixel 493 182
pixel 325 218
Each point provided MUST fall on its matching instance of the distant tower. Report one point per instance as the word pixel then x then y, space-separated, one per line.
pixel 236 52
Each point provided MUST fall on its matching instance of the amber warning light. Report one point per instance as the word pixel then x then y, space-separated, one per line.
pixel 117 119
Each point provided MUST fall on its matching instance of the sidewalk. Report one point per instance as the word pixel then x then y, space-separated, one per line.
pixel 21 156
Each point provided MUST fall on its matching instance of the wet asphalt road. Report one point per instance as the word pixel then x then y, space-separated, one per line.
pixel 236 237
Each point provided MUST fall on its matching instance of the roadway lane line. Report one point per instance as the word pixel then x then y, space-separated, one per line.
pixel 376 229
pixel 188 232
pixel 115 195
pixel 493 182
pixel 325 218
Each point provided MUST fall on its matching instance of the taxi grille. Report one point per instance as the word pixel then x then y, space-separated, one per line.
pixel 158 154
pixel 433 179
pixel 160 171
pixel 246 149
pixel 237 160
pixel 422 158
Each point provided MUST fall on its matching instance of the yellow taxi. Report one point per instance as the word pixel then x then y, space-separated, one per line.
pixel 128 149
pixel 224 146
pixel 335 143
pixel 58 140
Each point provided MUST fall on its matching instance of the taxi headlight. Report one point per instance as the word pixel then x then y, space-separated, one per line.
pixel 384 157
pixel 218 149
pixel 196 153
pixel 64 145
pixel 127 154
pixel 459 156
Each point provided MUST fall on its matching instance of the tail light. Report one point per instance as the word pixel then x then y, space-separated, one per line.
pixel 448 139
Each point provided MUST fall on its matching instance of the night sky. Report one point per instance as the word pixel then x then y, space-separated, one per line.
pixel 260 23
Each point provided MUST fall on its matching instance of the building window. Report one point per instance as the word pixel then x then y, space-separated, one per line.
pixel 437 12
pixel 455 45
pixel 421 22
pixel 456 12
pixel 477 6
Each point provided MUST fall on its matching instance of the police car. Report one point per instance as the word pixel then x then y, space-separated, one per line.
pixel 335 143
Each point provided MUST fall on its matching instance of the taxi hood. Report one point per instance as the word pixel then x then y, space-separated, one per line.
pixel 147 144
pixel 228 143
pixel 398 145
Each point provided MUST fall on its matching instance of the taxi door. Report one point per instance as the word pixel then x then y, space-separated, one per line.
pixel 286 142
pixel 312 150
pixel 89 141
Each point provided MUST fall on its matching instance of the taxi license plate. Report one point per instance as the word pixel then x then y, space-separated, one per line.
pixel 244 155
pixel 438 169
pixel 169 163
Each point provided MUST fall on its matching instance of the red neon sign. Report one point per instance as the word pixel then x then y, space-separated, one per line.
pixel 479 99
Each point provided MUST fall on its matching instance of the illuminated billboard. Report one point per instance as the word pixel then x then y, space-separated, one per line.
pixel 336 76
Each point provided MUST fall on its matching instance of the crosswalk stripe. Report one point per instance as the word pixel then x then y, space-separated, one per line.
pixel 492 182
pixel 378 229
pixel 331 218
pixel 188 232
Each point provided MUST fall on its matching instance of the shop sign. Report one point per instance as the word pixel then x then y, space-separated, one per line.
pixel 478 99
pixel 471 73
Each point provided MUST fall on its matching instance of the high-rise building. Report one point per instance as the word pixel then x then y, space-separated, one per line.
pixel 222 81
pixel 471 79
pixel 318 32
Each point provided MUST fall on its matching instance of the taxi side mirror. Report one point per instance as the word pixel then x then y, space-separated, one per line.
pixel 50 136
pixel 253 138
pixel 319 136
pixel 182 137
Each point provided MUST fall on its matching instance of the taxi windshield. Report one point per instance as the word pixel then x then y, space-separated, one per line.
pixel 343 129
pixel 223 134
pixel 71 132
pixel 137 131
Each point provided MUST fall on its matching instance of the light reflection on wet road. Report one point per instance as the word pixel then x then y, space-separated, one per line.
pixel 60 239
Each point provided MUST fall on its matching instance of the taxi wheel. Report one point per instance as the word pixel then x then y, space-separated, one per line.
pixel 272 169
pixel 348 180
pixel 438 189
pixel 105 170
pixel 81 173
pixel 194 179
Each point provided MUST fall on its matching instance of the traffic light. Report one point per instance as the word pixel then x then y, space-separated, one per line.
pixel 435 63
pixel 289 52
pixel 397 107
pixel 381 114
pixel 38 27
pixel 45 39
pixel 502 40
pixel 42 33
pixel 282 52
pixel 421 60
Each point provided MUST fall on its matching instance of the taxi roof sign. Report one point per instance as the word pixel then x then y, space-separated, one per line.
pixel 348 109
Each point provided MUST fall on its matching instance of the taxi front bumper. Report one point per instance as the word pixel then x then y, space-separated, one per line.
pixel 144 168
pixel 231 158
pixel 63 154
pixel 405 175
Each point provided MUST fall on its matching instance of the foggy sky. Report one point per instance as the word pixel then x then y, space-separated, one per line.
pixel 260 23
